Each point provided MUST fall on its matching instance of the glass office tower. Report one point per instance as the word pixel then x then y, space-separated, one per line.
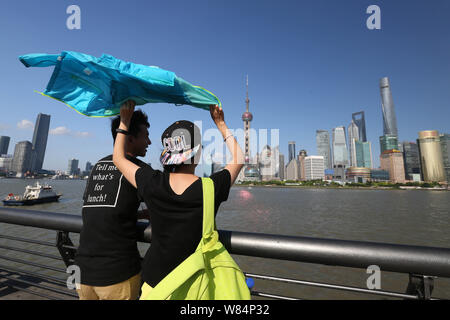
pixel 291 147
pixel 359 119
pixel 353 135
pixel 411 159
pixel 40 140
pixel 323 147
pixel 4 144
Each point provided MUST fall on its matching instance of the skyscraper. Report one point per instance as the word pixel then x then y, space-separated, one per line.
pixel 411 159
pixel 4 144
pixel 340 154
pixel 359 119
pixel 353 135
pixel 40 140
pixel 392 161
pixel 314 168
pixel 445 148
pixel 22 157
pixel 72 168
pixel 362 154
pixel 387 106
pixel 430 153
pixel 282 168
pixel 291 147
pixel 301 159
pixel 293 170
pixel 323 147
pixel 388 142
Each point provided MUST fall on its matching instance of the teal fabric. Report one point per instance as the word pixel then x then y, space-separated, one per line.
pixel 97 87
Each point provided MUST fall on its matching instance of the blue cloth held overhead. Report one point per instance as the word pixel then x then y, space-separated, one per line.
pixel 97 87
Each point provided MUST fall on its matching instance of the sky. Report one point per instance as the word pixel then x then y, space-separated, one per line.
pixel 310 64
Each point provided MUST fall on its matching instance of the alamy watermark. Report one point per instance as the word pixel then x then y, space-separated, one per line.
pixel 374 20
pixel 74 278
pixel 73 22
pixel 374 280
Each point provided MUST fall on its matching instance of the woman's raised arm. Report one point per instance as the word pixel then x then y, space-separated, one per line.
pixel 237 161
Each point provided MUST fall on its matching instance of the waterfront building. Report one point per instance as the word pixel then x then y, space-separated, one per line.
pixel 269 163
pixel 323 147
pixel 392 161
pixel 282 168
pixel 88 167
pixel 353 135
pixel 340 154
pixel 6 162
pixel 359 119
pixel 411 160
pixel 388 142
pixel 445 148
pixel 387 106
pixel 72 168
pixel 22 158
pixel 362 154
pixel 301 159
pixel 291 148
pixel 40 137
pixel 379 175
pixel 293 170
pixel 357 174
pixel 314 168
pixel 4 144
pixel 430 154
pixel 251 172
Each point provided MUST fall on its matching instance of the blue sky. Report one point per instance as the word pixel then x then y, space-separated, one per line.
pixel 311 64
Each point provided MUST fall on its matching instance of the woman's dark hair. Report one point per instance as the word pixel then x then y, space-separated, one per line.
pixel 139 118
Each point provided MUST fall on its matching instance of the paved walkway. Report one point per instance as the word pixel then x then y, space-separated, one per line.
pixel 17 286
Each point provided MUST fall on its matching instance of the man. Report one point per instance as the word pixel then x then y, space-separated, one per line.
pixel 108 256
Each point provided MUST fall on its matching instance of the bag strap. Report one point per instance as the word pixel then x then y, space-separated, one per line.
pixel 208 207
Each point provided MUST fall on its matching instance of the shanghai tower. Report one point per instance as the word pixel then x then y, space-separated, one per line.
pixel 387 105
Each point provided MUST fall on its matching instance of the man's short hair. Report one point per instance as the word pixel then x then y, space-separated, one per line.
pixel 139 118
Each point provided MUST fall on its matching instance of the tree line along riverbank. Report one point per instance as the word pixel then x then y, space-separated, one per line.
pixel 346 185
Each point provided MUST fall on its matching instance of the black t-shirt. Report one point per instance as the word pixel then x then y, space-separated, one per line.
pixel 108 252
pixel 177 220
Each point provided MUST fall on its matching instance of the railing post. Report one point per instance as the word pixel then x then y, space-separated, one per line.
pixel 62 242
pixel 420 285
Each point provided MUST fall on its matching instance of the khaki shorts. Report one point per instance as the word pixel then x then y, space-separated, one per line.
pixel 126 290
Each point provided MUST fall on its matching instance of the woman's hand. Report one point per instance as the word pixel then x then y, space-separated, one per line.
pixel 217 114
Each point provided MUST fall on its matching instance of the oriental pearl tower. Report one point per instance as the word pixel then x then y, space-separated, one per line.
pixel 251 172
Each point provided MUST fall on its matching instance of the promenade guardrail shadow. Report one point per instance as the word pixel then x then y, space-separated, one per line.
pixel 422 264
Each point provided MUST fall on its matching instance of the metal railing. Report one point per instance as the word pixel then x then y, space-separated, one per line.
pixel 423 264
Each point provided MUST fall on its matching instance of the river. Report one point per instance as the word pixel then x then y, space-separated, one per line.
pixel 412 217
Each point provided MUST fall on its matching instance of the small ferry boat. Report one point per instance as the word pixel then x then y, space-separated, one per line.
pixel 32 195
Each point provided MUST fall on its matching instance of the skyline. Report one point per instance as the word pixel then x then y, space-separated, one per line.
pixel 310 66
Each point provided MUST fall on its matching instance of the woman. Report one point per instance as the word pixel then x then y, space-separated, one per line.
pixel 175 196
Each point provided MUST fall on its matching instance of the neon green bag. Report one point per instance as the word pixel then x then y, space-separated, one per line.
pixel 210 273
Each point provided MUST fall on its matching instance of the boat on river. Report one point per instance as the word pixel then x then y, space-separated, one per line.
pixel 33 195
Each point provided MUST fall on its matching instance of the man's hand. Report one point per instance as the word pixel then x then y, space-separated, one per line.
pixel 126 112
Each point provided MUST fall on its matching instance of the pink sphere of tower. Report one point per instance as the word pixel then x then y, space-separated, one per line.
pixel 247 116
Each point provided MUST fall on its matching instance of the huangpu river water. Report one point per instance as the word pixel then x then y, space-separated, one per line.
pixel 411 217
